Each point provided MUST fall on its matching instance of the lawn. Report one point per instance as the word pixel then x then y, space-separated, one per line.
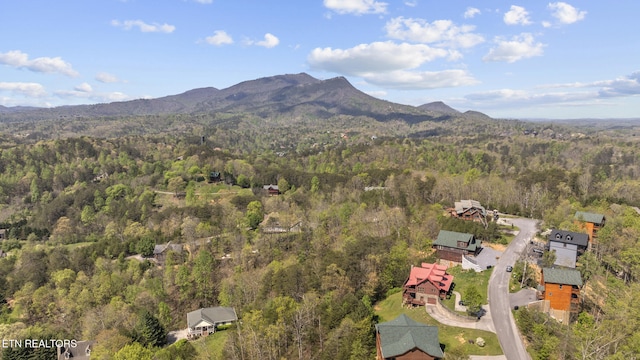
pixel 465 278
pixel 210 347
pixel 450 337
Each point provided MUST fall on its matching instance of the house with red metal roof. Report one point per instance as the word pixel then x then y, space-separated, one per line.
pixel 426 283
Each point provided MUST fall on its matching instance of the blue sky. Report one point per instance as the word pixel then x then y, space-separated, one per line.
pixel 531 59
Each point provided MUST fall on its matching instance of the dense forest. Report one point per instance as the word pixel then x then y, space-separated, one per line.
pixel 77 210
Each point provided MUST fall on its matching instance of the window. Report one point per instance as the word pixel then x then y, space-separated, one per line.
pixel 560 286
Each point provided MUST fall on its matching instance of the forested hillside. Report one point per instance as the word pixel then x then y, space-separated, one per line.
pixel 76 208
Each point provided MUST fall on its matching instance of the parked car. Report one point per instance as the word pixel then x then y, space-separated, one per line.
pixel 509 268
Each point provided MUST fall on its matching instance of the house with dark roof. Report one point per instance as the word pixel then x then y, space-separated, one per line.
pixel 82 351
pixel 204 321
pixel 451 245
pixel 404 338
pixel 568 246
pixel 160 251
pixel 561 287
pixel 591 223
pixel 426 283
pixel 469 210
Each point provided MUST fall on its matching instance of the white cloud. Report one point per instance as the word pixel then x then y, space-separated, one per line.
pixel 204 1
pixel 520 47
pixel 413 3
pixel 144 27
pixel 504 98
pixel 566 13
pixel 84 93
pixel 374 57
pixel 442 32
pixel 517 16
pixel 84 87
pixel 23 88
pixel 622 86
pixel 390 65
pixel 20 60
pixel 357 7
pixel 471 12
pixel 104 77
pixel 269 41
pixel 578 94
pixel 416 80
pixel 219 38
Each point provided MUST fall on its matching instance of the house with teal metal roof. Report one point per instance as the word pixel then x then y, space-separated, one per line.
pixel 404 338
pixel 451 245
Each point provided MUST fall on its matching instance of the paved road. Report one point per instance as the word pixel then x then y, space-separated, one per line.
pixel 503 321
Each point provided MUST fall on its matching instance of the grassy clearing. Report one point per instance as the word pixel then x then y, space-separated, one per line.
pixel 210 347
pixel 450 336
pixel 466 278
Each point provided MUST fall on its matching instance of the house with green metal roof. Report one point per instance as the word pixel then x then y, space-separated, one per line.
pixel 452 246
pixel 561 287
pixel 591 222
pixel 404 338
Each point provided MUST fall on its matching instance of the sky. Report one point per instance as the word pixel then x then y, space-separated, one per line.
pixel 533 59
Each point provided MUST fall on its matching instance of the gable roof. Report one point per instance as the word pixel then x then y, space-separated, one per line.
pixel 569 237
pixel 211 315
pixel 589 217
pixel 270 187
pixel 451 239
pixel 159 249
pixel 403 334
pixel 434 273
pixel 463 205
pixel 81 351
pixel 562 276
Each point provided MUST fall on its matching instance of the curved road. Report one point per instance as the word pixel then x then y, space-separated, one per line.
pixel 503 321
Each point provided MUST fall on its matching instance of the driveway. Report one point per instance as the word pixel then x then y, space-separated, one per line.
pixel 488 257
pixel 176 335
pixel 499 297
pixel 522 297
pixel 443 316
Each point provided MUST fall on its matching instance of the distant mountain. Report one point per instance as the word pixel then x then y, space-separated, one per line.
pixel 476 115
pixel 14 109
pixel 439 106
pixel 282 95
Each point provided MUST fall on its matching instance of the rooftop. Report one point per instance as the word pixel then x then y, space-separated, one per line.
pixel 451 239
pixel 212 315
pixel 589 217
pixel 403 334
pixel 569 237
pixel 463 205
pixel 562 276
pixel 434 273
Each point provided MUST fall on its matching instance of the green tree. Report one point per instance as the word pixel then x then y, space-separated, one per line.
pixel 254 214
pixel 145 245
pixel 152 332
pixel 548 258
pixel 202 271
pixel 181 350
pixel 315 184
pixel 473 299
pixel 133 351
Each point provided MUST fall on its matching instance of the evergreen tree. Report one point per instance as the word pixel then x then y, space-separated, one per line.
pixel 151 330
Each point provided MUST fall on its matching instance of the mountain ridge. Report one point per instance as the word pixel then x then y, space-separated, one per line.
pixel 288 95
